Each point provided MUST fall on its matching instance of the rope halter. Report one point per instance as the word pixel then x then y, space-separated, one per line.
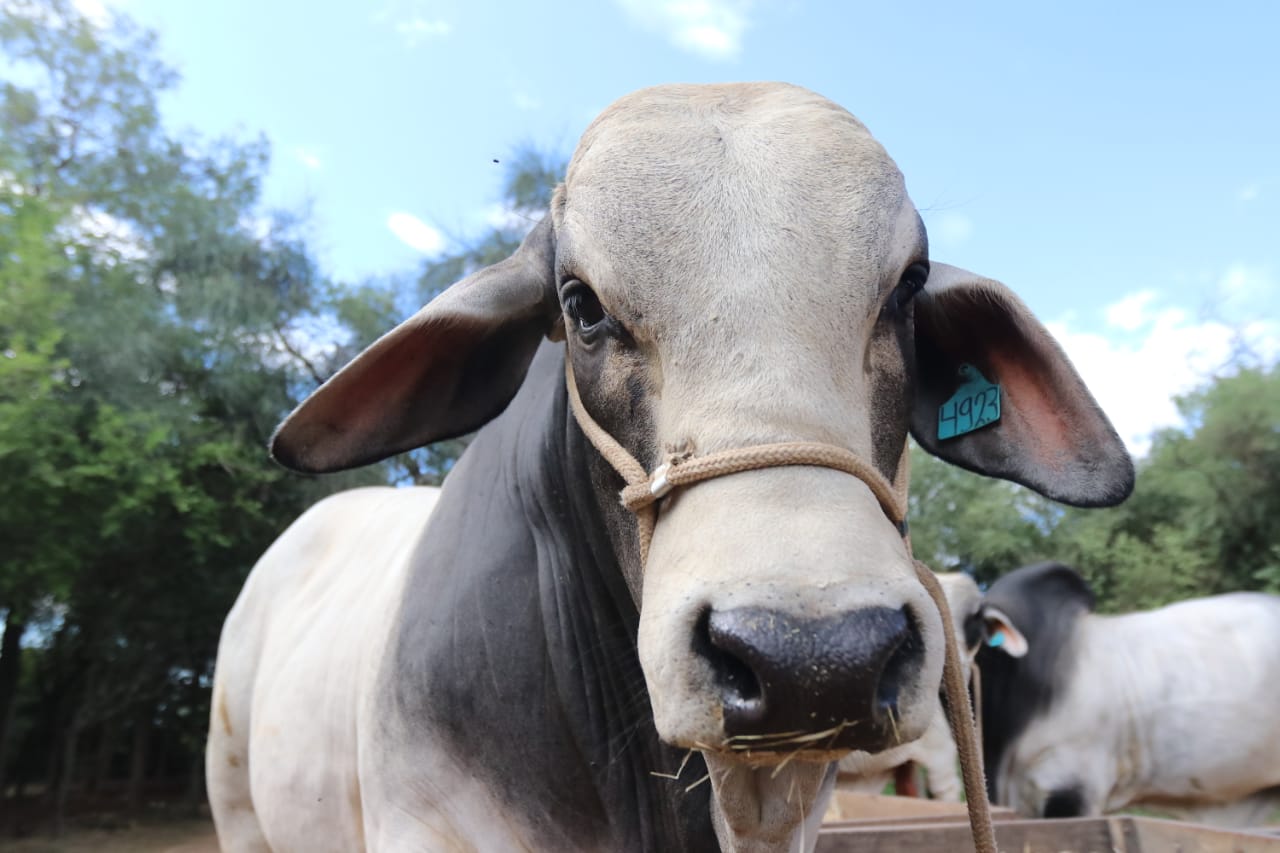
pixel 644 490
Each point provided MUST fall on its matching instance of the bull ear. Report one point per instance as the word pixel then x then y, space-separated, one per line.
pixel 445 371
pixel 999 632
pixel 1051 435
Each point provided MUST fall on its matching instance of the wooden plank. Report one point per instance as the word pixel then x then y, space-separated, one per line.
pixel 1077 835
pixel 1072 835
pixel 846 805
pixel 1154 834
pixel 893 822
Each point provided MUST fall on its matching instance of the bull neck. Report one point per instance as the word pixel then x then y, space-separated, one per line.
pixel 530 669
pixel 592 623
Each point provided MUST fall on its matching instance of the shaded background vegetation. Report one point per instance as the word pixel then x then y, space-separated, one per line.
pixel 156 323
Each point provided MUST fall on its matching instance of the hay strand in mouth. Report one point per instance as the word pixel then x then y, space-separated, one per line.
pixel 679 770
pixel 733 738
pixel 783 739
pixel 893 724
pixel 784 763
pixel 699 782
pixel 791 738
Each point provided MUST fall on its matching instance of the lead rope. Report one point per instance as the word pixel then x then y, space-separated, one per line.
pixel 960 718
pixel 644 490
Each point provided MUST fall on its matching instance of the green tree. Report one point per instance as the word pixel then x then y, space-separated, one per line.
pixel 152 336
pixel 1202 519
pixel 33 373
pixel 964 522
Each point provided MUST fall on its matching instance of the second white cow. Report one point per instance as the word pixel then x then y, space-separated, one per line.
pixel 1085 713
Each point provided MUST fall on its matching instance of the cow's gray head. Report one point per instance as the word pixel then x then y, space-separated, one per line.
pixel 1028 622
pixel 733 265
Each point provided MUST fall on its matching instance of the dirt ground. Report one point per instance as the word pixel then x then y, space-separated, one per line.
pixel 170 836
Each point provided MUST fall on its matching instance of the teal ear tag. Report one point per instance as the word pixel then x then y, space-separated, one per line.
pixel 975 404
pixel 997 640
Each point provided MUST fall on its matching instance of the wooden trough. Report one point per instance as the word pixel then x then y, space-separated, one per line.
pixel 878 824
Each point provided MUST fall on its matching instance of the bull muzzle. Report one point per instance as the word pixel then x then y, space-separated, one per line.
pixel 787 682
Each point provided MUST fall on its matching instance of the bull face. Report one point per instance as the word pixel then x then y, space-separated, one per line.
pixel 731 266
pixel 736 267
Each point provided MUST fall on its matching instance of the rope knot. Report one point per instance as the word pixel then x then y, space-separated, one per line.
pixel 637 496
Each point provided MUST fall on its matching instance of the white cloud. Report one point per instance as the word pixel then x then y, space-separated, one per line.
pixel 1249 193
pixel 416 30
pixel 94 10
pixel 1130 313
pixel 1244 293
pixel 1136 377
pixel 712 29
pixel 307 157
pixel 412 20
pixel 952 230
pixel 525 101
pixel 1243 282
pixel 415 233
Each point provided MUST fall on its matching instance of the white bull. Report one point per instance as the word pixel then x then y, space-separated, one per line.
pixel 1085 713
pixel 526 663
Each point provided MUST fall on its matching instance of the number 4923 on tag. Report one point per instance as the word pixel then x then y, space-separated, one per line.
pixel 975 404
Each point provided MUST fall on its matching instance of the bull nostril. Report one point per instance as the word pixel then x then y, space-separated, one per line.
pixel 903 662
pixel 734 676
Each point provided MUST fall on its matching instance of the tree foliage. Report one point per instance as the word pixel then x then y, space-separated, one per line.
pixel 1202 519
pixel 149 327
pixel 963 522
pixel 156 323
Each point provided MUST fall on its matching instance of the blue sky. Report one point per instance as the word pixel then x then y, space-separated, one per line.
pixel 1116 164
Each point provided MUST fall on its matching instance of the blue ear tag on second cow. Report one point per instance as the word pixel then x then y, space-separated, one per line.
pixel 975 404
pixel 996 640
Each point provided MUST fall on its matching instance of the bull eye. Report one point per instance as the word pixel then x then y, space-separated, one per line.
pixel 583 308
pixel 911 283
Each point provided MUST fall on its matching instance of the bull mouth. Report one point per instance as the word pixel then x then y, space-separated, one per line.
pixel 812 745
pixel 837 739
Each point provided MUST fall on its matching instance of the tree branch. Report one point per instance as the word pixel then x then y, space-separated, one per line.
pixel 293 351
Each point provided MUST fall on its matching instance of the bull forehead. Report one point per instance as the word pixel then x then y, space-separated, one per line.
pixel 684 186
pixel 746 236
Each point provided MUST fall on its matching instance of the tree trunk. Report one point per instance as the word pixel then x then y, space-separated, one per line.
pixel 138 760
pixel 104 750
pixel 10 670
pixel 67 778
pixel 195 786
